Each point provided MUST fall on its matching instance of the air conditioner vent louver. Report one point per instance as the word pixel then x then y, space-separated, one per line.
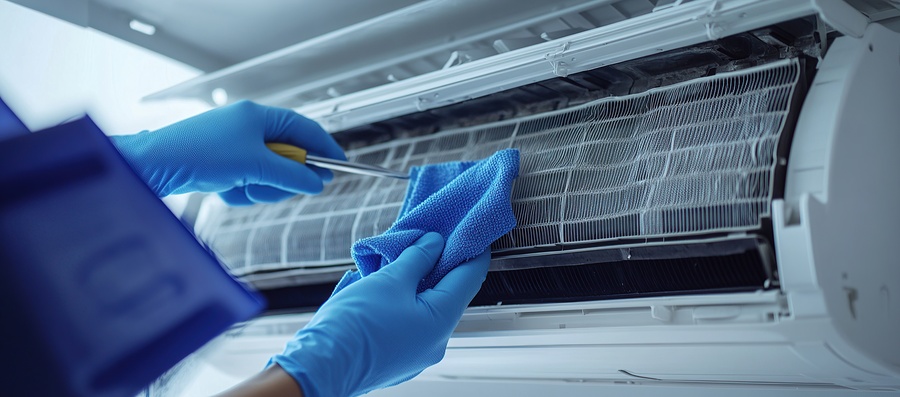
pixel 626 278
pixel 691 158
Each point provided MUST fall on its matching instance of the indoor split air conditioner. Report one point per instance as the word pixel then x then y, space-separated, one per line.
pixel 707 201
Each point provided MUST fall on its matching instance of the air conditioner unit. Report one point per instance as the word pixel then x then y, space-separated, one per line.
pixel 706 201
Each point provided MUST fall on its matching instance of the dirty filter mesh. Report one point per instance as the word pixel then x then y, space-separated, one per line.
pixel 696 157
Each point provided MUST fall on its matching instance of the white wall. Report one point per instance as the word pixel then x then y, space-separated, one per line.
pixel 51 70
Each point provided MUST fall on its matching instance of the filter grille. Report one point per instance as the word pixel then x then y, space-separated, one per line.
pixel 695 157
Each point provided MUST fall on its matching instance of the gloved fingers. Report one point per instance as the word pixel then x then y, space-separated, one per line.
pixel 286 174
pixel 417 260
pixel 267 194
pixel 236 197
pixel 454 292
pixel 287 126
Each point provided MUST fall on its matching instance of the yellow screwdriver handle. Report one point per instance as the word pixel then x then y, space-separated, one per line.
pixel 289 151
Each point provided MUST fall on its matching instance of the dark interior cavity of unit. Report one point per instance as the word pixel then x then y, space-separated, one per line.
pixel 739 265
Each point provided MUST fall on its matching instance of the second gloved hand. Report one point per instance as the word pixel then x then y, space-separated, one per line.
pixel 224 151
pixel 378 331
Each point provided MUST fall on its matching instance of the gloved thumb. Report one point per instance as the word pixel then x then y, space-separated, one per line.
pixel 454 292
pixel 417 260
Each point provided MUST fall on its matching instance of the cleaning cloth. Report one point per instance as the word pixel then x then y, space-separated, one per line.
pixel 468 203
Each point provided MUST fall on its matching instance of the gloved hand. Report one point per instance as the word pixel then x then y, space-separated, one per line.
pixel 224 151
pixel 378 331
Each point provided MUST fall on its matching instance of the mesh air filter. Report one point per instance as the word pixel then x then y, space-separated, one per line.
pixel 696 157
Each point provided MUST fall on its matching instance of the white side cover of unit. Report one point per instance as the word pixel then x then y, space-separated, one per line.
pixel 838 227
pixel 832 329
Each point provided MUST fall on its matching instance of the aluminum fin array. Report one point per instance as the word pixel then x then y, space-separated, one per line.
pixel 695 157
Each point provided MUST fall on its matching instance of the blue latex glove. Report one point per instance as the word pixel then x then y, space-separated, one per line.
pixel 224 151
pixel 378 332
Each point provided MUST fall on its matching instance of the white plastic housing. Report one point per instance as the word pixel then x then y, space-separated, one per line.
pixel 838 230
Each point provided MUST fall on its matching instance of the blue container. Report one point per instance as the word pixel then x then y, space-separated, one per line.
pixel 102 288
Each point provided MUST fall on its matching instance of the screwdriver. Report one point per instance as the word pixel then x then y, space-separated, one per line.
pixel 301 156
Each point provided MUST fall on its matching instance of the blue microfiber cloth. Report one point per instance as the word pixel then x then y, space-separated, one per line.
pixel 468 203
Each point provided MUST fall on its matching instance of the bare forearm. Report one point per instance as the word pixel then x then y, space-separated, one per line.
pixel 271 382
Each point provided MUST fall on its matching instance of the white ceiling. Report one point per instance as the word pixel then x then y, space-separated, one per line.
pixel 211 34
